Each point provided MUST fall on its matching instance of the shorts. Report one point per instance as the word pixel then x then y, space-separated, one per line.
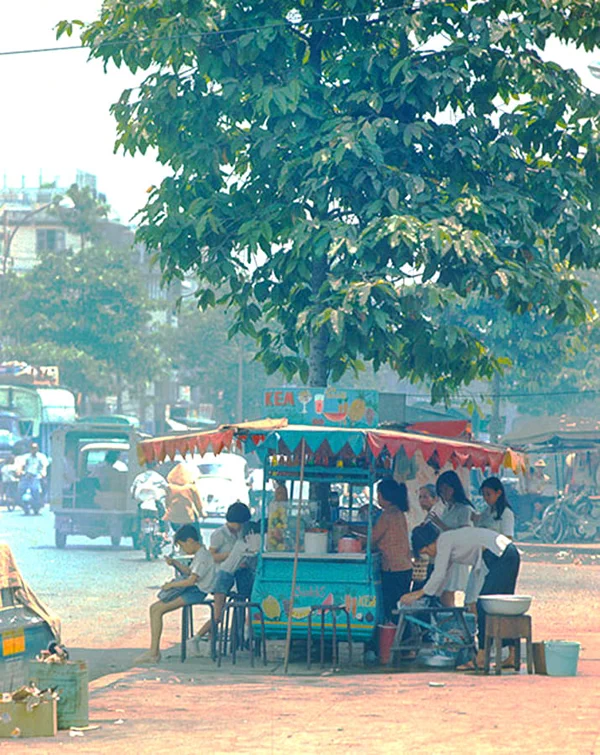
pixel 189 595
pixel 243 578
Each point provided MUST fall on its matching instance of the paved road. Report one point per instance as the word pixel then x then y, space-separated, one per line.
pixel 99 592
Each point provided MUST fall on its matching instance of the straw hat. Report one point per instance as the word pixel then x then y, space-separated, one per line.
pixel 540 463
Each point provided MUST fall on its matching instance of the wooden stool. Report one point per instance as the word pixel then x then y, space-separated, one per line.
pixel 499 627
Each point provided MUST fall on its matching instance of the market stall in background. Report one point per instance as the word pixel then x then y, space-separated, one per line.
pixel 558 497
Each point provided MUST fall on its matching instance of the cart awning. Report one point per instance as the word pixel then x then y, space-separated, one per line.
pixel 356 442
pixel 275 436
pixel 168 446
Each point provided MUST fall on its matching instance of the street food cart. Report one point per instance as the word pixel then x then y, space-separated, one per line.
pixel 338 469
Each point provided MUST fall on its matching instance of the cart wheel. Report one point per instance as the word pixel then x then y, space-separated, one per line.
pixel 115 540
pixel 60 539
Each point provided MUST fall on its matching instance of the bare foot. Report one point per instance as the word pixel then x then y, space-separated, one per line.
pixel 147 659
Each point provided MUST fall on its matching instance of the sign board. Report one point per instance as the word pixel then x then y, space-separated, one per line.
pixel 330 407
pixel 21 372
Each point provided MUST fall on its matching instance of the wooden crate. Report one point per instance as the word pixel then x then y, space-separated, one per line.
pixel 539 658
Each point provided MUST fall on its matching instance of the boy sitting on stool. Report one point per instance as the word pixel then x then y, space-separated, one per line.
pixel 232 547
pixel 197 580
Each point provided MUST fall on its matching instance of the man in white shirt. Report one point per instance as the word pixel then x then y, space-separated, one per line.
pixel 227 547
pixel 33 468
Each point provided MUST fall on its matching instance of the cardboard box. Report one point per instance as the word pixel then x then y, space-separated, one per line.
pixel 40 721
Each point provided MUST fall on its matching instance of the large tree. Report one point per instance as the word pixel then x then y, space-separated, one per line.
pixel 328 156
pixel 86 311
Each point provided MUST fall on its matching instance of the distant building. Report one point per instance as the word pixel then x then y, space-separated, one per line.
pixel 30 225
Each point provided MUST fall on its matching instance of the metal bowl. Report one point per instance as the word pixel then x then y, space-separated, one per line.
pixel 506 605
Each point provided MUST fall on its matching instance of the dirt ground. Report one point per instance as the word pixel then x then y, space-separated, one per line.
pixel 195 706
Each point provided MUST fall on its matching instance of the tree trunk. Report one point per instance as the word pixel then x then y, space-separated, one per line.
pixel 318 363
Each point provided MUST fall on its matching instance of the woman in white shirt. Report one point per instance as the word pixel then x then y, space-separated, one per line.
pixel 499 515
pixel 458 512
pixel 494 560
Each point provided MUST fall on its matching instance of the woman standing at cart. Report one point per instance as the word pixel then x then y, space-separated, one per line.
pixel 498 515
pixel 390 536
pixel 458 513
pixel 495 563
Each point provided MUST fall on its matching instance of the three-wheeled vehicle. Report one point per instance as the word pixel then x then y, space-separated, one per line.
pixel 93 468
pixel 26 625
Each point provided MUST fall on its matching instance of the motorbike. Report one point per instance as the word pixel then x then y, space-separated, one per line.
pixel 572 517
pixel 149 491
pixel 30 494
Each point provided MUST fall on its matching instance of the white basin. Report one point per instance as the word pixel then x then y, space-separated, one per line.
pixel 507 605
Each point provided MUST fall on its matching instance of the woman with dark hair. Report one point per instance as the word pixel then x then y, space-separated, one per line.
pixel 498 515
pixel 458 513
pixel 390 536
pixel 494 560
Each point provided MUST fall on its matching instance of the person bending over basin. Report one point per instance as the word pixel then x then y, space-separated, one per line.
pixel 494 560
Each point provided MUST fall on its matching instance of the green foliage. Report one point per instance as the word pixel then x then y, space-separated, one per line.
pixel 324 168
pixel 85 311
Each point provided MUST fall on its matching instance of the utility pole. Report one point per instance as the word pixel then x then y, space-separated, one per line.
pixel 240 386
pixel 495 418
pixel 8 237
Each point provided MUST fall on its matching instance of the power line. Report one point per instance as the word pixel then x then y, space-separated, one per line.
pixel 525 394
pixel 381 16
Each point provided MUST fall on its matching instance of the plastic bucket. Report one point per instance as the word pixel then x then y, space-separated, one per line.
pixel 71 681
pixel 316 542
pixel 561 657
pixel 385 640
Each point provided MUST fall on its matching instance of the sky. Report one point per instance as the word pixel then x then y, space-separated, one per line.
pixel 54 116
pixel 54 111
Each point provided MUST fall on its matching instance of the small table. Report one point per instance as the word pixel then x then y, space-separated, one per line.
pixel 420 621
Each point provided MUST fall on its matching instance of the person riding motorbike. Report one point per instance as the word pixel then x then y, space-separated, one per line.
pixel 33 469
pixel 149 490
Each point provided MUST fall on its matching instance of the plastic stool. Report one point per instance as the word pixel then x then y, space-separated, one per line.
pixel 232 629
pixel 322 610
pixel 187 628
pixel 499 627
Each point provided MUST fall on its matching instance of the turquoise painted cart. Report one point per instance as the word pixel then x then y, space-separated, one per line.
pixel 332 458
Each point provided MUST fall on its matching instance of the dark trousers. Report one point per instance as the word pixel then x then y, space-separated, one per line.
pixel 501 580
pixel 394 584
